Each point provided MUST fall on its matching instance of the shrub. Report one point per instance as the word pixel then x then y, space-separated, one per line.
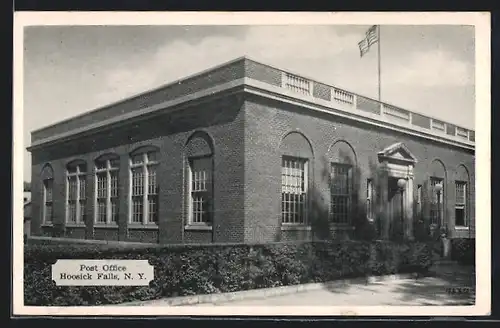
pixel 203 269
pixel 463 250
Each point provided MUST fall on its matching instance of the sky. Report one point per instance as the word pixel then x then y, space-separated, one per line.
pixel 69 70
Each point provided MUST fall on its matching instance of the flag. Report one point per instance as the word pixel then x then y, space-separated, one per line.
pixel 370 38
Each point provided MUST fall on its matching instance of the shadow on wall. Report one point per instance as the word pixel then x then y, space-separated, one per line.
pixel 360 227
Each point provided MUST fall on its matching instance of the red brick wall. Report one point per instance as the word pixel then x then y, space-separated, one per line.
pixel 222 120
pixel 267 121
pixel 246 137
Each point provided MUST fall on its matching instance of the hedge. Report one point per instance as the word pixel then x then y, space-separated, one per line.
pixel 463 250
pixel 202 269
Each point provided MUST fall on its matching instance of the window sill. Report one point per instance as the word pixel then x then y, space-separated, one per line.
pixel 336 226
pixel 200 227
pixel 105 226
pixel 461 228
pixel 47 225
pixel 75 225
pixel 149 226
pixel 288 227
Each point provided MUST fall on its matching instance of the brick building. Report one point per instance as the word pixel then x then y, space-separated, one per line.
pixel 247 152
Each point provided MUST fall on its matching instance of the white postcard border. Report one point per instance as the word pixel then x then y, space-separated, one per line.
pixel 481 21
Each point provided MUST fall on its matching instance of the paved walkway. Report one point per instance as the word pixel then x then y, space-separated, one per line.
pixel 449 285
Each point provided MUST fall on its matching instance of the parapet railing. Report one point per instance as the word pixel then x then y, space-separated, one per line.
pixel 387 112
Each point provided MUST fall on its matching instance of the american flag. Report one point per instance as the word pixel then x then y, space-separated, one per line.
pixel 370 38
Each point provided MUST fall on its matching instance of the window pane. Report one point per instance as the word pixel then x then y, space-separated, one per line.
pixel 137 182
pixel 460 217
pixel 82 168
pixel 114 183
pixel 152 185
pixel 153 208
pixel 201 177
pixel 48 190
pixel 138 159
pixel 152 156
pixel 48 212
pixel 100 165
pixel 293 198
pixel 460 192
pixel 340 188
pixel 200 209
pixel 82 213
pixel 114 163
pixel 72 211
pixel 72 185
pixel 101 211
pixel 137 209
pixel 102 185
pixel 83 183
pixel 114 210
pixel 436 205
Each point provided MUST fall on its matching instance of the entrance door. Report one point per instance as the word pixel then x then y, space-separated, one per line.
pixel 394 209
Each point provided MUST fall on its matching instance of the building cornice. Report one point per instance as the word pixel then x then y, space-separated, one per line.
pixel 275 86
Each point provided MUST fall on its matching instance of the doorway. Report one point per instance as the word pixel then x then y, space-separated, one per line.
pixel 394 209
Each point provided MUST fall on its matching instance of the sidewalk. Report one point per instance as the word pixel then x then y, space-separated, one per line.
pixel 447 284
pixel 433 290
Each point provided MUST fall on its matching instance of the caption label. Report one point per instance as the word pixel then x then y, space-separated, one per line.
pixel 102 272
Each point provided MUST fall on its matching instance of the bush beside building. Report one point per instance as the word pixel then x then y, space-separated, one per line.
pixel 217 268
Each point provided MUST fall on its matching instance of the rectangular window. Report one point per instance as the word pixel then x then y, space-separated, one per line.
pixel 152 195
pixel 82 202
pixel 369 199
pixel 436 205
pixel 102 197
pixel 460 204
pixel 106 191
pixel 144 186
pixel 340 191
pixel 419 200
pixel 114 196
pixel 137 194
pixel 72 198
pixel 293 190
pixel 47 196
pixel 76 185
pixel 200 190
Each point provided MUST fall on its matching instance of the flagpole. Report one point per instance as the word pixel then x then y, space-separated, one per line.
pixel 378 46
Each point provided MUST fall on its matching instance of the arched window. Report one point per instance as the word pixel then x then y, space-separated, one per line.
pixel 199 154
pixel 297 153
pixel 144 186
pixel 106 189
pixel 342 160
pixel 462 197
pixel 47 176
pixel 437 177
pixel 76 185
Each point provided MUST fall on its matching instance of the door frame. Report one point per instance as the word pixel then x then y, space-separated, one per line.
pixel 396 161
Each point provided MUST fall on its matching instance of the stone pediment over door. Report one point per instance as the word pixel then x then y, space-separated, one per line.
pixel 397 153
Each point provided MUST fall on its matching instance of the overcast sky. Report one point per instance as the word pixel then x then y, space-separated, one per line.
pixel 72 69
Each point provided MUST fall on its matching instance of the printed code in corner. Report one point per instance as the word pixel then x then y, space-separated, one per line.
pixel 458 290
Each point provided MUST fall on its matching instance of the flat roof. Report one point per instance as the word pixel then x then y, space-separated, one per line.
pixel 266 80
